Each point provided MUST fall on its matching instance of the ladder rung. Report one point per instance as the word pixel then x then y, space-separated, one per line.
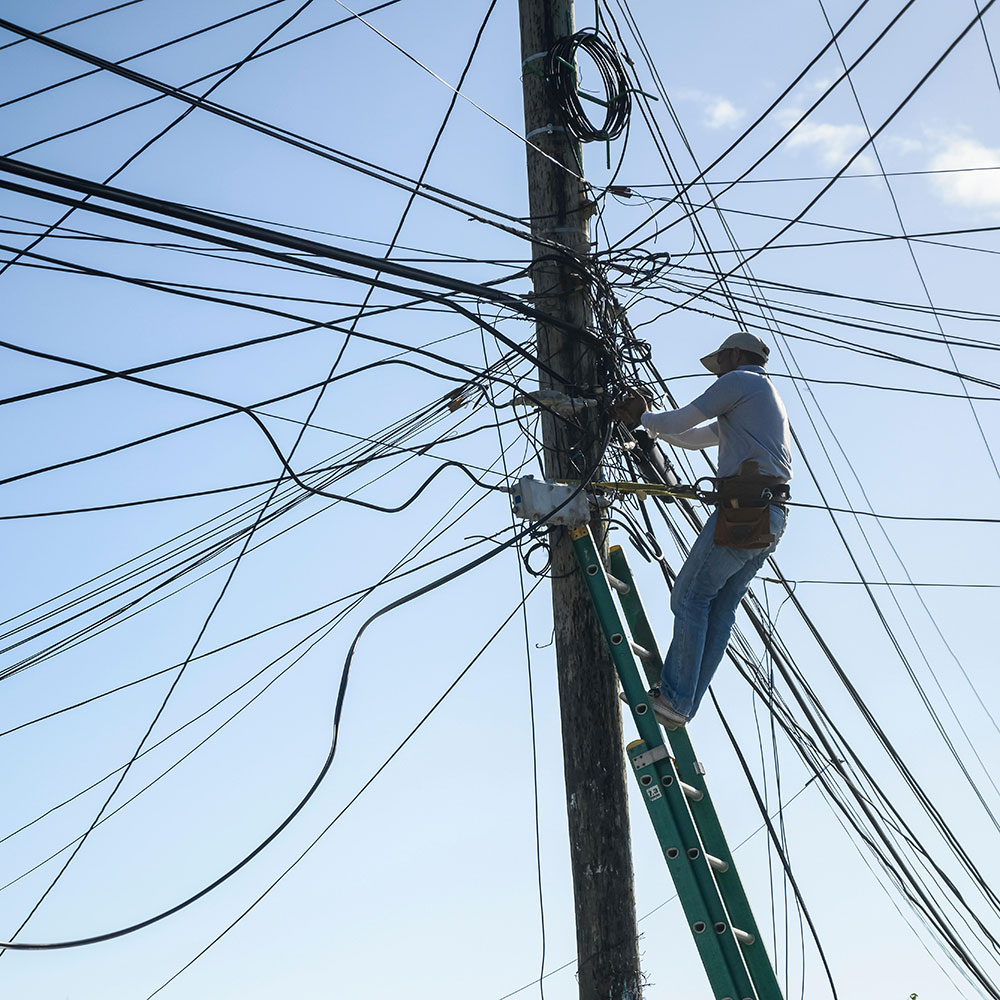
pixel 736 969
pixel 641 651
pixel 694 794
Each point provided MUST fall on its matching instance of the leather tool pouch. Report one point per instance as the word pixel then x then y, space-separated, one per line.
pixel 744 520
pixel 744 527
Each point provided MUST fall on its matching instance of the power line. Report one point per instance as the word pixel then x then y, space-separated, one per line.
pixel 172 209
pixel 351 801
pixel 138 55
pixel 328 762
pixel 75 20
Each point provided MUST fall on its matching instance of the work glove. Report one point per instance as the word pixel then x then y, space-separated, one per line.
pixel 629 409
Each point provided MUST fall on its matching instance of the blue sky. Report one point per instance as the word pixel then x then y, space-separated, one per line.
pixel 428 884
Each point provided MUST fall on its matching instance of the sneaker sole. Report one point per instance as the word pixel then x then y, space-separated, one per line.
pixel 669 724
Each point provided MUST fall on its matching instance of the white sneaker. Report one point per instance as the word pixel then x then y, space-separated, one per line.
pixel 666 714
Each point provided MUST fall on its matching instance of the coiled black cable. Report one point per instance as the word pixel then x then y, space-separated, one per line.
pixel 562 76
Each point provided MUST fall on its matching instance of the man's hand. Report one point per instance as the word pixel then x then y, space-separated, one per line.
pixel 629 409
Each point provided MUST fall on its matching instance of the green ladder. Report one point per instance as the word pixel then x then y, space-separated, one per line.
pixel 672 781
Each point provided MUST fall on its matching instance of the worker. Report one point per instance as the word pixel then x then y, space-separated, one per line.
pixel 750 426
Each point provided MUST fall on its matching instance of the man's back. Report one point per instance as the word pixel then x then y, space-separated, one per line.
pixel 752 422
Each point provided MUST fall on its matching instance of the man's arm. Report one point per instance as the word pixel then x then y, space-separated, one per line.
pixel 673 422
pixel 706 436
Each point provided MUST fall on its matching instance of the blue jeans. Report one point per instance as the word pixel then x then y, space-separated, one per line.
pixel 707 592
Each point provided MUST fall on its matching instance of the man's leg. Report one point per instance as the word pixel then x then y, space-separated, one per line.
pixel 722 614
pixel 704 574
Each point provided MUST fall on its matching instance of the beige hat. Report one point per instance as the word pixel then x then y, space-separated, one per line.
pixel 744 341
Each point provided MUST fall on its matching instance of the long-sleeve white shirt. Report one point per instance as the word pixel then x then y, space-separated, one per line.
pixel 750 423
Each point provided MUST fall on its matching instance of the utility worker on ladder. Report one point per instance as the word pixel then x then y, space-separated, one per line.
pixel 750 426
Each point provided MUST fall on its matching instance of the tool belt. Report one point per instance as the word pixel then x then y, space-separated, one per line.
pixel 744 507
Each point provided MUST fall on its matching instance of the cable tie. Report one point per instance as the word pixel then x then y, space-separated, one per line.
pixel 547 129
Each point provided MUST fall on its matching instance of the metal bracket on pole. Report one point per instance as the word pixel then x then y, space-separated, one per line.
pixel 641 760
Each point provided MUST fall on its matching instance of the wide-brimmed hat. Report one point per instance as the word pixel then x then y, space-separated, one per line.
pixel 744 341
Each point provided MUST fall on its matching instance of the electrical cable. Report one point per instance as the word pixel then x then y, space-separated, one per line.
pixel 283 135
pixel 395 573
pixel 224 589
pixel 199 217
pixel 423 173
pixel 76 20
pixel 465 97
pixel 909 243
pixel 169 127
pixel 248 411
pixel 561 76
pixel 192 562
pixel 825 177
pixel 951 312
pixel 872 137
pixel 775 840
pixel 521 564
pixel 351 801
pixel 777 306
pixel 171 574
pixel 774 104
pixel 137 55
pixel 327 764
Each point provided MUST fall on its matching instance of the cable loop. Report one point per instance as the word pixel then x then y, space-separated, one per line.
pixel 563 77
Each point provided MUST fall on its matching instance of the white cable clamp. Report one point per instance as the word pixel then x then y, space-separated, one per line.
pixel 537 55
pixel 557 402
pixel 547 129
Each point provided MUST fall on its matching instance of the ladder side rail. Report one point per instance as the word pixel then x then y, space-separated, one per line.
pixel 685 853
pixel 718 948
pixel 692 771
pixel 635 615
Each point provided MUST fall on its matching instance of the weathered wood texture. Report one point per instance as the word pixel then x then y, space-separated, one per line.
pixel 591 719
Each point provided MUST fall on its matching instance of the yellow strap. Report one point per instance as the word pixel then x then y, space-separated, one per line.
pixel 649 489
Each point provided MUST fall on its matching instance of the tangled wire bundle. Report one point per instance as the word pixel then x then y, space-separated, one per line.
pixel 560 69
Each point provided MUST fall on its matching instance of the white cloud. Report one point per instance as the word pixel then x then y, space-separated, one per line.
pixel 902 144
pixel 979 189
pixel 835 144
pixel 721 113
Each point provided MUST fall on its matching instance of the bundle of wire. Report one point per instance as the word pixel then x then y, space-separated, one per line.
pixel 562 76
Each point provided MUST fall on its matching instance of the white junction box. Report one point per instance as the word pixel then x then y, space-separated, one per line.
pixel 536 499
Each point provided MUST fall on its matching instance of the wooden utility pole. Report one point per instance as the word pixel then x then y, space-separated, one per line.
pixel 597 806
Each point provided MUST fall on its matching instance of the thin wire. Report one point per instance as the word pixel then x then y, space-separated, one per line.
pixel 328 762
pixel 531 703
pixel 350 802
pixel 137 55
pixel 393 574
pixel 167 128
pixel 211 614
pixel 909 243
pixel 409 55
pixel 76 20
